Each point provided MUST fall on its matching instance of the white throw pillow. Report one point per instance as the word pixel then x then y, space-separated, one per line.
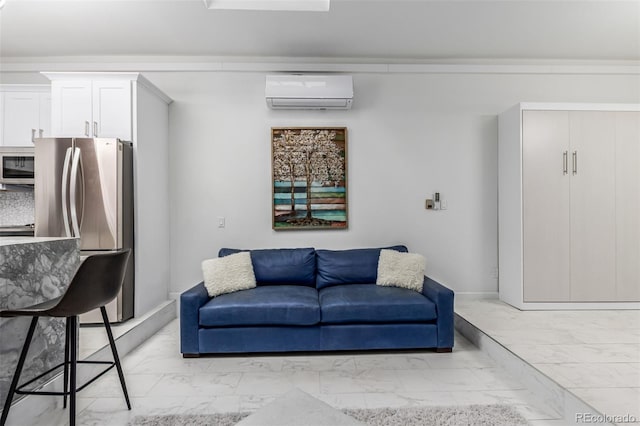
pixel 228 274
pixel 398 269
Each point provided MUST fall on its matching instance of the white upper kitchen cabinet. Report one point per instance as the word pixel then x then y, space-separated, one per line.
pixel 84 107
pixel 25 114
pixel 71 108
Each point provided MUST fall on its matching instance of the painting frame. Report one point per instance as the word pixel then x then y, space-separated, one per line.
pixel 309 178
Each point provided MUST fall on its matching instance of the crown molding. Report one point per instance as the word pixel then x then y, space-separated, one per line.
pixel 263 64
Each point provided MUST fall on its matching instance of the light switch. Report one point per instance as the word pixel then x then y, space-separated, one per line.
pixel 221 222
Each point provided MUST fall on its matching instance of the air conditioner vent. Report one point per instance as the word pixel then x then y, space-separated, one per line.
pixel 309 91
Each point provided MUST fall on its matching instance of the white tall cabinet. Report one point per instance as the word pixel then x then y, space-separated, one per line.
pixel 128 107
pixel 569 206
pixel 25 114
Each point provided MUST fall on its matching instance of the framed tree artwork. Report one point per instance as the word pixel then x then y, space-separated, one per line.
pixel 309 173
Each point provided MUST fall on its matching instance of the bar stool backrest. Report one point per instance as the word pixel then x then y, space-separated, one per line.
pixel 96 283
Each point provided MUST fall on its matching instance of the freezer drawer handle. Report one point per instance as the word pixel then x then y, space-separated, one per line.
pixel 65 195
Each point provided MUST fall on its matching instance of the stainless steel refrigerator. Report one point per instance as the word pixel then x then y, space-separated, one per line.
pixel 84 188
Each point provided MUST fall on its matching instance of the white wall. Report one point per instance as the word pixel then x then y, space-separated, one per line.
pixel 152 243
pixel 409 135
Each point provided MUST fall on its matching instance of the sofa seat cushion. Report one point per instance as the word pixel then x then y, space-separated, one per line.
pixel 267 305
pixel 370 303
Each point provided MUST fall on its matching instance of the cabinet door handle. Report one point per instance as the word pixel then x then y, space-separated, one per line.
pixel 565 162
pixel 575 162
pixel 95 129
pixel 86 128
pixel 33 135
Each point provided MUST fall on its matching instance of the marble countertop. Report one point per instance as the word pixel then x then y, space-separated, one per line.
pixel 10 241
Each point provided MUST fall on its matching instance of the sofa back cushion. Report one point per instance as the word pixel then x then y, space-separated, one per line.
pixel 355 266
pixel 281 266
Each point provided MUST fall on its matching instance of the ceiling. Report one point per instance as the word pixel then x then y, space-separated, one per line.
pixel 393 30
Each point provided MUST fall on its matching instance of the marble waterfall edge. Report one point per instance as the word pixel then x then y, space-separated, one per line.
pixel 32 271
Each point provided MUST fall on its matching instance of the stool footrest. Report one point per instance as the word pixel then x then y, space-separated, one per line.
pixel 19 390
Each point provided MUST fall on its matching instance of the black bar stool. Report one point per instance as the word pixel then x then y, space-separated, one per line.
pixel 96 283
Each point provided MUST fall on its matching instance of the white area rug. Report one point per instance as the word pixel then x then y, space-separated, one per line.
pixel 301 409
pixel 485 415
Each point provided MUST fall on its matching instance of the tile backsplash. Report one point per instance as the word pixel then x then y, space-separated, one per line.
pixel 16 208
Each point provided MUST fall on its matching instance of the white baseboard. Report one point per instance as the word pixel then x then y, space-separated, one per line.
pixel 470 295
pixel 176 296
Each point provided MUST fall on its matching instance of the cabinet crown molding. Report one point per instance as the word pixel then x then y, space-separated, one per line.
pixel 130 76
pixel 76 75
pixel 39 88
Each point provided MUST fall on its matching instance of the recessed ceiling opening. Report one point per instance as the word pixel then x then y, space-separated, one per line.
pixel 273 5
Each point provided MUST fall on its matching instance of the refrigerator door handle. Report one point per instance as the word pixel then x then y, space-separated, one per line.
pixel 65 194
pixel 76 170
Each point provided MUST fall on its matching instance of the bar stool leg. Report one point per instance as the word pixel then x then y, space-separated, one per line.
pixel 73 364
pixel 16 375
pixel 114 351
pixel 66 360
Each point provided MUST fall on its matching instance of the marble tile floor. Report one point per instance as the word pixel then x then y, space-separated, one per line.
pixel 595 355
pixel 160 381
pixel 93 337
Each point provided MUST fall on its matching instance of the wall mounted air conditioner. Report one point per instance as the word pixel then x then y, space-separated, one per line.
pixel 309 91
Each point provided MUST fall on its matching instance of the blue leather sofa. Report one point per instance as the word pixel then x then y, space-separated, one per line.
pixel 316 300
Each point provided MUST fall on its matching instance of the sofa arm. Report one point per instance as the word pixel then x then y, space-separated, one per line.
pixel 190 303
pixel 443 298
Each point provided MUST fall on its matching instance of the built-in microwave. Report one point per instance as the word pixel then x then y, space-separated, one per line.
pixel 17 165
